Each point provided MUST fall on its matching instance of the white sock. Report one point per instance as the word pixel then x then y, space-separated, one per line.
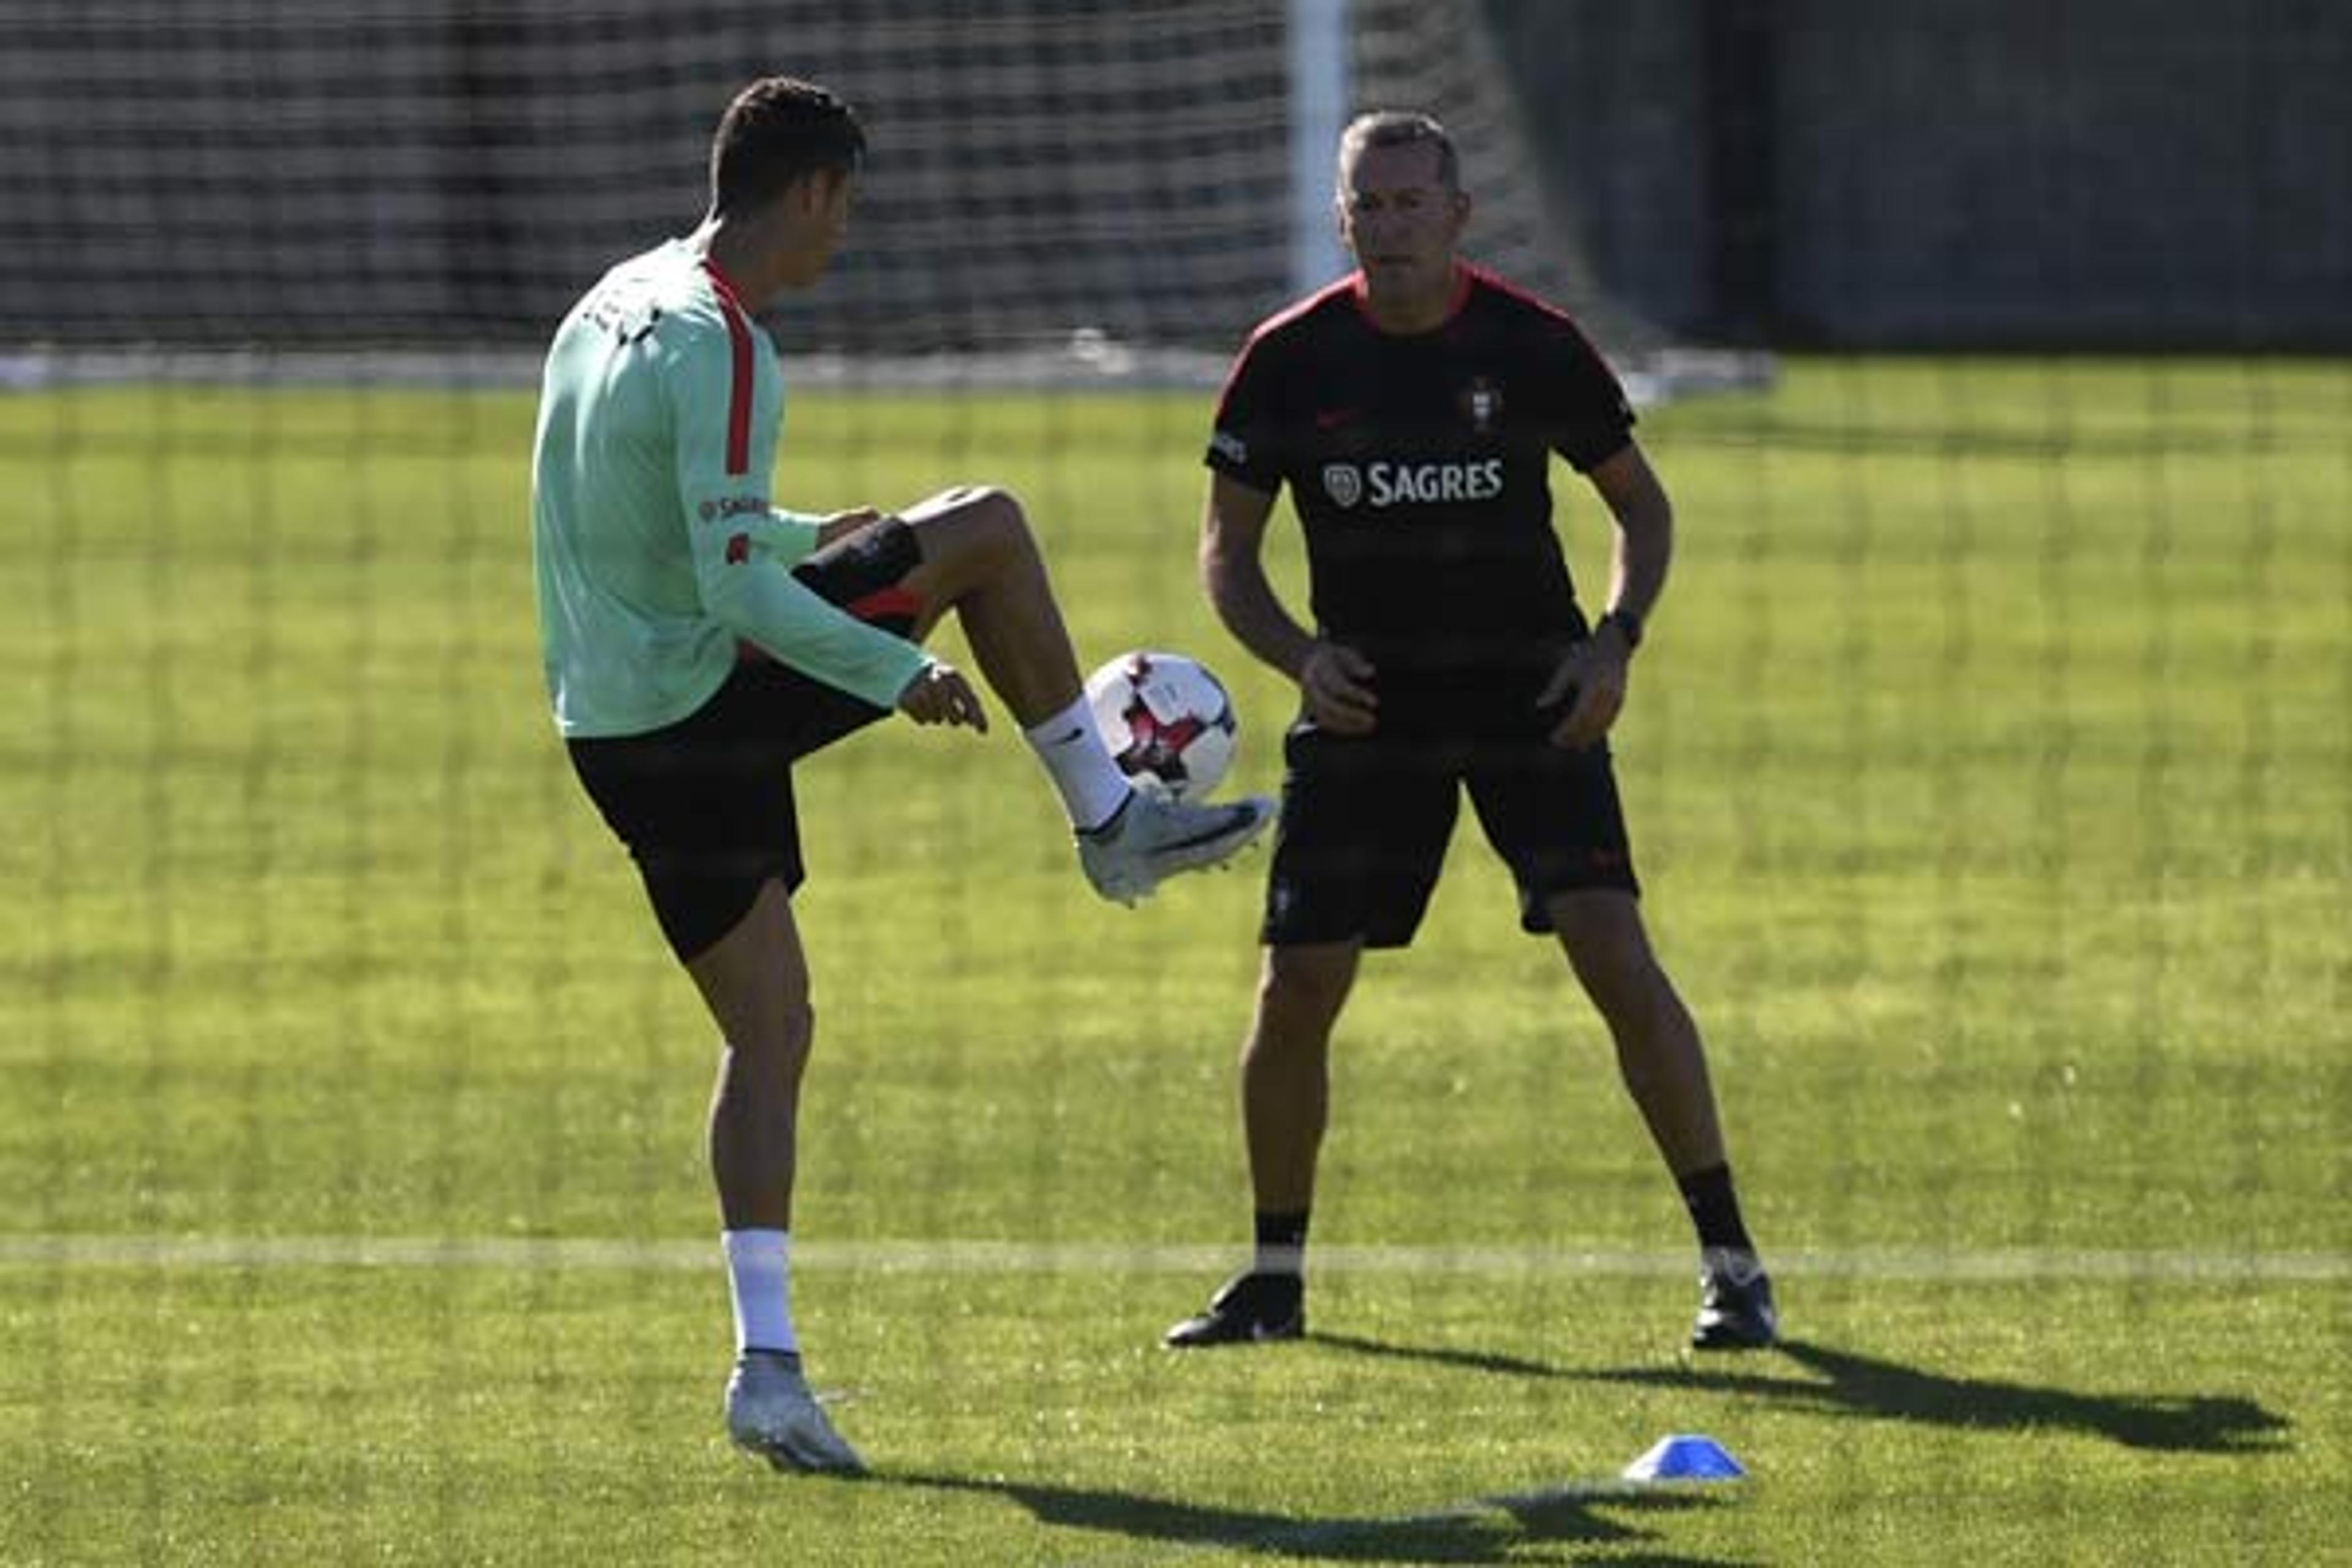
pixel 759 1277
pixel 1091 785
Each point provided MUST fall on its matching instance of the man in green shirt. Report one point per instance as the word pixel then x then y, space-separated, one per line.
pixel 699 639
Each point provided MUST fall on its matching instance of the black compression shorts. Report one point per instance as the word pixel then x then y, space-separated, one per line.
pixel 705 805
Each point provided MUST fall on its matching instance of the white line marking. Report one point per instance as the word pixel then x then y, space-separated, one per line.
pixel 2005 1265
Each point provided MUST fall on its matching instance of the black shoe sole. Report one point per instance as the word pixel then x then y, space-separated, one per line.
pixel 1730 1338
pixel 1200 1333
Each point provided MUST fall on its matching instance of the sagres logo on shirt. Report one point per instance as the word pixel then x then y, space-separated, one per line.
pixel 731 505
pixel 1405 484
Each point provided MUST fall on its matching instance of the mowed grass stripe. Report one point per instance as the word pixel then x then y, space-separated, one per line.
pixel 917 1256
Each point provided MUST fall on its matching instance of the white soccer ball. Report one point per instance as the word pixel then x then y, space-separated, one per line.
pixel 1168 722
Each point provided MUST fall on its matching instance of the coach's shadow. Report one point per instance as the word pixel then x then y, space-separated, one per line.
pixel 1439 1355
pixel 1493 1529
pixel 1852 1384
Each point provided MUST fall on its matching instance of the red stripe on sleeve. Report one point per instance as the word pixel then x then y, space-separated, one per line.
pixel 739 394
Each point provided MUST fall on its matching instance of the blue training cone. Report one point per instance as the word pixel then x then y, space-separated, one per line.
pixel 1685 1456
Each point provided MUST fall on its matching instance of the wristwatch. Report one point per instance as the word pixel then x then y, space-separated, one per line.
pixel 1628 624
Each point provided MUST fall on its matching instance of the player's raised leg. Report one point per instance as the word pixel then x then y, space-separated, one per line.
pixel 1664 1065
pixel 981 559
pixel 755 982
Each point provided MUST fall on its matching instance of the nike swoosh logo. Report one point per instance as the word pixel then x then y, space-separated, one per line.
pixel 1231 823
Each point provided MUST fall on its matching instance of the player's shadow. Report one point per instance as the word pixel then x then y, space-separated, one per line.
pixel 1846 1383
pixel 1439 1355
pixel 1490 1530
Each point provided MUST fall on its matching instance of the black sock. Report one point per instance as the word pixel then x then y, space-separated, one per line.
pixel 1715 1208
pixel 1281 1243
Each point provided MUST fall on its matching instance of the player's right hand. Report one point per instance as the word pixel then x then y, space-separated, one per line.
pixel 1586 692
pixel 1336 683
pixel 940 695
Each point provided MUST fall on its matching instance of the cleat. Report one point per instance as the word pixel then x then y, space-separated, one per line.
pixel 1150 839
pixel 772 1413
pixel 1249 1309
pixel 1734 1303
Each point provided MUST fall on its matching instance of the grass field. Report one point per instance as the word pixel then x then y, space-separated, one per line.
pixel 1989 766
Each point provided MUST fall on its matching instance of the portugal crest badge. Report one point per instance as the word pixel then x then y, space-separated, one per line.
pixel 1482 404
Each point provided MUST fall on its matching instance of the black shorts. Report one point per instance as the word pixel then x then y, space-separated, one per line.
pixel 1365 823
pixel 705 805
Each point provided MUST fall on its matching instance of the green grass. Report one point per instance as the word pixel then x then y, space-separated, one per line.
pixel 1988 767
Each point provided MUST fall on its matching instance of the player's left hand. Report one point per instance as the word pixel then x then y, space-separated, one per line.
pixel 1590 685
pixel 940 695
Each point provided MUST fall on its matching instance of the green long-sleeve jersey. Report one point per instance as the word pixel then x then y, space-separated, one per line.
pixel 655 544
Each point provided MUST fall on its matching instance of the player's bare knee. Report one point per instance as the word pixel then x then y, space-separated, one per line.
pixel 1282 1045
pixel 783 1039
pixel 798 1035
pixel 1003 527
pixel 1601 933
pixel 973 535
pixel 1300 1000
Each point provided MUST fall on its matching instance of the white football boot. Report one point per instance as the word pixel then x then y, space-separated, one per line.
pixel 1152 839
pixel 772 1413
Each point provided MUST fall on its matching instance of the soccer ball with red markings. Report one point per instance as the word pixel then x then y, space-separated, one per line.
pixel 1168 721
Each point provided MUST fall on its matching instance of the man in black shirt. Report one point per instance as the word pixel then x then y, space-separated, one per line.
pixel 1412 408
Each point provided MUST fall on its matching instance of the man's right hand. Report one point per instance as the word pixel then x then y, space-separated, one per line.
pixel 1336 683
pixel 940 695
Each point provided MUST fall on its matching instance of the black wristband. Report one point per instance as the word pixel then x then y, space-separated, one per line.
pixel 1628 624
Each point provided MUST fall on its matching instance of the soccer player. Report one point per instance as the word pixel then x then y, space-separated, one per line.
pixel 699 640
pixel 1412 408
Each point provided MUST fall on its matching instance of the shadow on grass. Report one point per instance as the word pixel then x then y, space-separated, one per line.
pixel 1437 1355
pixel 1489 1529
pixel 1852 1384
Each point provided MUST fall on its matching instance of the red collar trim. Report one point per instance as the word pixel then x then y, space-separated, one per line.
pixel 1358 290
pixel 725 285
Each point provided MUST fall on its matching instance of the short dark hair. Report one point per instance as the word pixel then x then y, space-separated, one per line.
pixel 776 131
pixel 1401 128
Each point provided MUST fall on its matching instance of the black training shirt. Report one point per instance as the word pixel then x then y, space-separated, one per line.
pixel 1418 466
